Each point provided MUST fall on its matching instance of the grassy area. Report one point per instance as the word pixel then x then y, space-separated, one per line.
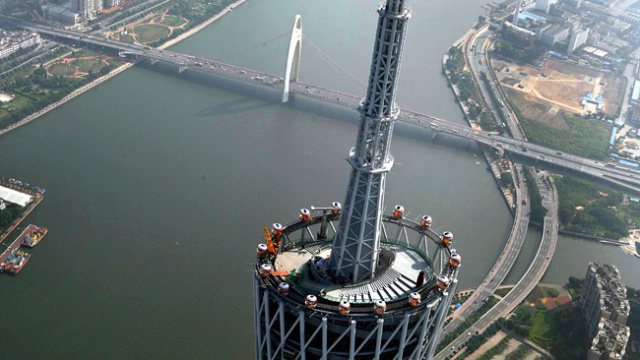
pixel 23 15
pixel 34 88
pixel 62 69
pixel 496 350
pixel 173 21
pixel 584 137
pixel 127 38
pixel 467 323
pixel 538 212
pixel 519 353
pixel 594 209
pixel 542 327
pixel 148 33
pixel 468 93
pixel 503 292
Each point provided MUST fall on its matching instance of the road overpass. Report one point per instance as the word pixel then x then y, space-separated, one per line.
pixel 530 279
pixel 505 262
pixel 622 177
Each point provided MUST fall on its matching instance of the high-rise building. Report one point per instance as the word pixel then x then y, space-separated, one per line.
pixel 88 9
pixel 516 13
pixel 97 7
pixel 111 3
pixel 552 34
pixel 578 38
pixel 594 38
pixel 605 307
pixel 378 285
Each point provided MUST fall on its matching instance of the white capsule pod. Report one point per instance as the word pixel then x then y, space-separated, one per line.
pixel 455 259
pixel 447 237
pixel 277 228
pixel 345 307
pixel 443 282
pixel 380 307
pixel 336 207
pixel 305 215
pixel 265 270
pixel 283 289
pixel 262 250
pixel 426 221
pixel 414 299
pixel 311 301
pixel 398 211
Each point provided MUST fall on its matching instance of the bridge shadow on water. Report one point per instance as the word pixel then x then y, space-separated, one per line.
pixel 254 93
pixel 242 105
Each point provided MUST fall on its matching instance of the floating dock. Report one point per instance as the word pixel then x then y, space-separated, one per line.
pixel 32 235
pixel 15 262
pixel 12 260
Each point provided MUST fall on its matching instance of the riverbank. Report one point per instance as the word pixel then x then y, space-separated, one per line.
pixel 33 205
pixel 116 71
pixel 201 26
pixel 72 95
pixel 486 152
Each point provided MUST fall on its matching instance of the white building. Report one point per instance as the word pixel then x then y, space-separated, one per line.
pixel 111 3
pixel 88 9
pixel 14 197
pixel 552 34
pixel 594 39
pixel 13 41
pixel 578 38
pixel 543 5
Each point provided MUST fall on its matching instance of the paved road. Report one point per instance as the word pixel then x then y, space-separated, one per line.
pixel 496 276
pixel 504 263
pixel 630 74
pixel 479 62
pixel 530 279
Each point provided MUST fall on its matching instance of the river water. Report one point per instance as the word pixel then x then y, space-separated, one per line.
pixel 158 187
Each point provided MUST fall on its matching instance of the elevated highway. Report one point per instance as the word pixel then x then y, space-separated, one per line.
pixel 622 177
pixel 530 279
pixel 505 262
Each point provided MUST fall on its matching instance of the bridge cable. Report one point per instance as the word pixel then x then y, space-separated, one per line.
pixel 331 61
pixel 228 54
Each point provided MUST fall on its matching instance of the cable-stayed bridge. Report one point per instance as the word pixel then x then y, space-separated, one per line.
pixel 622 177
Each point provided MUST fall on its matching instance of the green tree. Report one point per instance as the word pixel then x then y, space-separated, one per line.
pixel 506 179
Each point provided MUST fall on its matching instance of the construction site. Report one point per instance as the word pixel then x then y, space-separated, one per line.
pixel 543 93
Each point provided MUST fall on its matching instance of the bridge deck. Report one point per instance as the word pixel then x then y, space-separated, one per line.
pixel 624 178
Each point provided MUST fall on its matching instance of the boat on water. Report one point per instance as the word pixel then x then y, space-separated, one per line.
pixel 34 236
pixel 15 262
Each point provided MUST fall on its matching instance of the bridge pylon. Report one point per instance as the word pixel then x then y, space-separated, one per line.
pixel 293 57
pixel 182 68
pixel 154 61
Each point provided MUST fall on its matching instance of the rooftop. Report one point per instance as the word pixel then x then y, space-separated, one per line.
pixel 14 197
pixel 525 15
pixel 396 280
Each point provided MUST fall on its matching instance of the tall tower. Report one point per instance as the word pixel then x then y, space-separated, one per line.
pixel 379 285
pixel 516 13
pixel 357 244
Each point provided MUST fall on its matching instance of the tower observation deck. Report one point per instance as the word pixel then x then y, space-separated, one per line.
pixel 376 286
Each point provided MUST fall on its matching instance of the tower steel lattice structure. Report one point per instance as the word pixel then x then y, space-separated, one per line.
pixel 377 286
pixel 356 246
